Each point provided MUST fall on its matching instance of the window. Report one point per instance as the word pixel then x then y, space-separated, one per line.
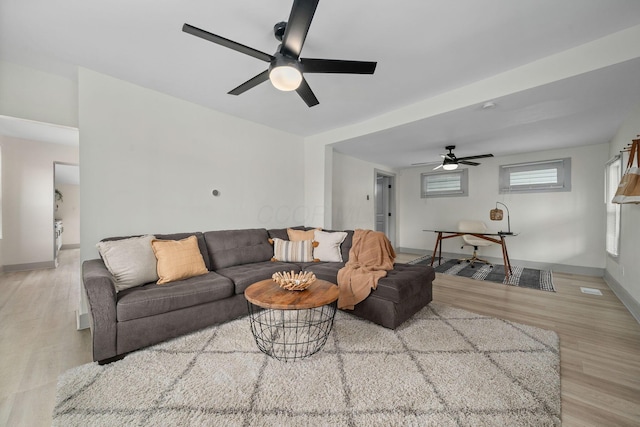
pixel 535 177
pixel 612 176
pixel 445 184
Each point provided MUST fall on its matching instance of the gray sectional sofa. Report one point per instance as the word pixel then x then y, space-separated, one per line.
pixel 138 317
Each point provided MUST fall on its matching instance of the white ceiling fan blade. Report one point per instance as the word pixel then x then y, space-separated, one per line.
pixel 437 167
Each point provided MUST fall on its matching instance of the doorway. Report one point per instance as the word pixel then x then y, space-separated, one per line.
pixel 66 209
pixel 385 202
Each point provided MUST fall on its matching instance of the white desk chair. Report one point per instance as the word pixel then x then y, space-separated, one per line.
pixel 478 227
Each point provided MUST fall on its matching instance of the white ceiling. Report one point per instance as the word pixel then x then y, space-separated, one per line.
pixel 584 110
pixel 423 49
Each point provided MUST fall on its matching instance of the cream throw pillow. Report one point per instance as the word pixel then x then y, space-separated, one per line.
pixel 328 248
pixel 178 259
pixel 300 235
pixel 131 261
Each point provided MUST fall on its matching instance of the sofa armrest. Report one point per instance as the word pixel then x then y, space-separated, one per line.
pixel 101 294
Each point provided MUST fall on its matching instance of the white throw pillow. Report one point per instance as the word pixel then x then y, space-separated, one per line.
pixel 328 248
pixel 131 261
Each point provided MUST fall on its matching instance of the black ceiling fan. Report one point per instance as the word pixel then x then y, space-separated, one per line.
pixel 286 68
pixel 451 162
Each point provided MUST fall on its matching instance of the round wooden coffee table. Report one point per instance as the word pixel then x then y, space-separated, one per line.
pixel 290 325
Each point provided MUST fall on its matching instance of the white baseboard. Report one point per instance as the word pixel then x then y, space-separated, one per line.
pixel 29 266
pixel 560 268
pixel 413 251
pixel 625 297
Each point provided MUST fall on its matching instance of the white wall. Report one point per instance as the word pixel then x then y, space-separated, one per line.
pixel 565 228
pixel 31 94
pixel 353 181
pixel 150 161
pixel 318 178
pixel 625 269
pixel 27 193
pixel 69 212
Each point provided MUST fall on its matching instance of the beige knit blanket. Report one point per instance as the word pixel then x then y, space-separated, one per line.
pixel 370 257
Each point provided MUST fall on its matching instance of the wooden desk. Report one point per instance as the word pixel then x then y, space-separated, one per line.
pixel 498 238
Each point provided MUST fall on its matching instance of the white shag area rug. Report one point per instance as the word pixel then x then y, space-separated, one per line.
pixel 443 367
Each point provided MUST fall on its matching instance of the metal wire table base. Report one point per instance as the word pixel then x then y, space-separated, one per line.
pixel 289 335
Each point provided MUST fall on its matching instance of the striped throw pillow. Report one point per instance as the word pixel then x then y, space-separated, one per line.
pixel 287 251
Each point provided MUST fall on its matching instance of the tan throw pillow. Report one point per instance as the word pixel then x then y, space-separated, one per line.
pixel 300 235
pixel 178 259
pixel 130 261
pixel 287 251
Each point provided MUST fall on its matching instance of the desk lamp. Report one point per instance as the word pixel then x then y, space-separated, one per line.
pixel 496 215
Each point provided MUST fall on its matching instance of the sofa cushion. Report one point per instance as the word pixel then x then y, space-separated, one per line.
pixel 236 247
pixel 346 245
pixel 281 233
pixel 178 259
pixel 324 270
pixel 247 274
pixel 130 260
pixel 201 243
pixel 403 282
pixel 151 299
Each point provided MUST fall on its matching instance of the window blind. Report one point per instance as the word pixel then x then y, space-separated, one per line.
pixel 444 184
pixel 548 175
pixel 448 182
pixel 612 175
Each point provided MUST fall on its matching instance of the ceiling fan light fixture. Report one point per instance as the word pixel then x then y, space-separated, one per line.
pixel 285 77
pixel 449 166
pixel 449 163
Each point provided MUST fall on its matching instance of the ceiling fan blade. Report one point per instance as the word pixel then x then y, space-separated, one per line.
pixel 297 27
pixel 438 167
pixel 306 93
pixel 227 43
pixel 464 162
pixel 251 83
pixel 310 65
pixel 481 156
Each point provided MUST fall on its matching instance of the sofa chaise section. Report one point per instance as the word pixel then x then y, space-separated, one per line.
pixel 402 293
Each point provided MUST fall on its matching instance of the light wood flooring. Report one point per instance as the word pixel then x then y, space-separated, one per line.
pixel 599 340
pixel 38 339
